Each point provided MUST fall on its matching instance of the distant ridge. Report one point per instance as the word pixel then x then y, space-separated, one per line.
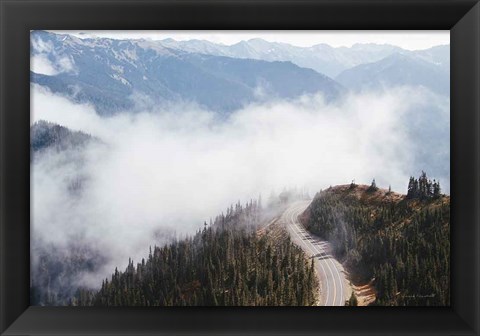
pixel 116 75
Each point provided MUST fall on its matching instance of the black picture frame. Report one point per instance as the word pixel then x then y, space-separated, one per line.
pixel 18 17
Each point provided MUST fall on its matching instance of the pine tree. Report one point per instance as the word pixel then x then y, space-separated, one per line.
pixel 373 187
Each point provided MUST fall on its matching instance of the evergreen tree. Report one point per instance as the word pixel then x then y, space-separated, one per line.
pixel 373 187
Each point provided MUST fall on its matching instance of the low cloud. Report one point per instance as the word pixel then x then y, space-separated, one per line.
pixel 171 169
pixel 40 64
pixel 46 60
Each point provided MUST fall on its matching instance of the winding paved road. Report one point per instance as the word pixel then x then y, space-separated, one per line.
pixel 333 286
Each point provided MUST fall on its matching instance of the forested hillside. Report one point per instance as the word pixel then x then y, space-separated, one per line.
pixel 400 242
pixel 229 262
pixel 44 134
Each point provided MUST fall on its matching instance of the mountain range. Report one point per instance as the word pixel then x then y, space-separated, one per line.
pixel 119 75
pixel 396 70
pixel 137 70
pixel 379 234
pixel 320 57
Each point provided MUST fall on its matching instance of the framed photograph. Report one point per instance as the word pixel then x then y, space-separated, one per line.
pixel 221 167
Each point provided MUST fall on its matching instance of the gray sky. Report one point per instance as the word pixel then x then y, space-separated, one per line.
pixel 410 40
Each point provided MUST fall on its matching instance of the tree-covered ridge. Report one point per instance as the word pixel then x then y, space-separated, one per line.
pixel 402 243
pixel 44 134
pixel 227 263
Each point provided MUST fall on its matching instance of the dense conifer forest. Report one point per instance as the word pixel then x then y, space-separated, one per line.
pixel 400 242
pixel 46 135
pixel 229 262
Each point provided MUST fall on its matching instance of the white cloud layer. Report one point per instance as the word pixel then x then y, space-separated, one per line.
pixel 176 168
pixel 46 61
pixel 40 64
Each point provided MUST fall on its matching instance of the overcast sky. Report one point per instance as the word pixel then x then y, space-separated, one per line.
pixel 410 40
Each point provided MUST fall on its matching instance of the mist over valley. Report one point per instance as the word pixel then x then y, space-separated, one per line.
pixel 138 143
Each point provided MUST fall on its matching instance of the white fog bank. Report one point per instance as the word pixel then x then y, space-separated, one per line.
pixel 176 168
